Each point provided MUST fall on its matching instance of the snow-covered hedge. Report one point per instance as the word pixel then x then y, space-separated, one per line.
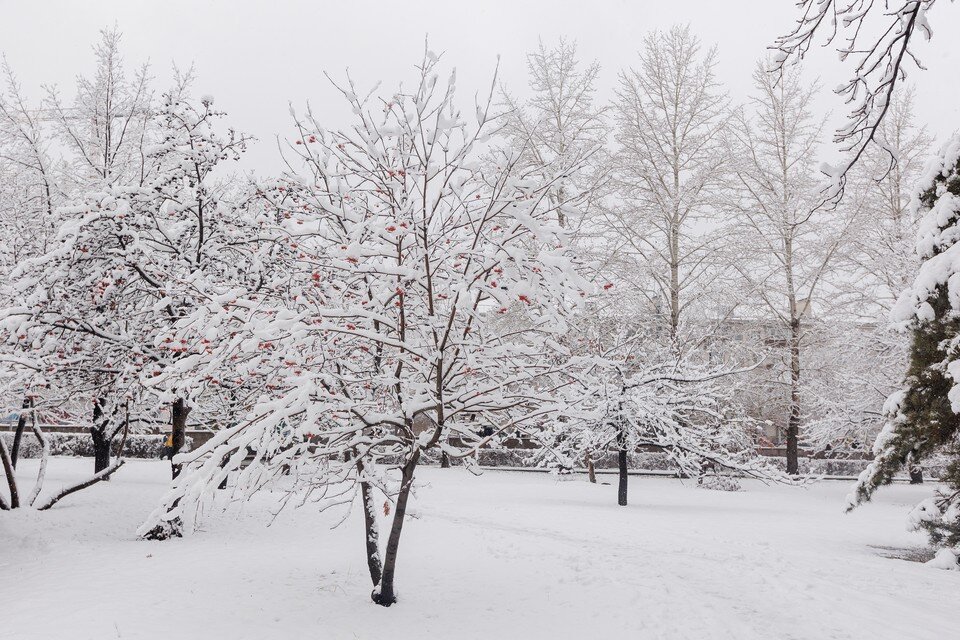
pixel 81 444
pixel 654 461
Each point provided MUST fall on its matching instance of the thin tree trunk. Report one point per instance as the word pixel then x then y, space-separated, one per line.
pixel 98 432
pixel 178 423
pixel 371 529
pixel 591 471
pixel 444 460
pixel 372 534
pixel 793 426
pixel 622 464
pixel 18 434
pixel 223 483
pixel 385 594
pixel 44 458
pixel 11 479
pixel 178 427
pixel 674 282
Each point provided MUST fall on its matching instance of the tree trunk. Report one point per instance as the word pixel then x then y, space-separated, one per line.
pixel 674 284
pixel 371 529
pixel 101 441
pixel 385 594
pixel 178 423
pixel 101 452
pixel 223 483
pixel 915 470
pixel 591 471
pixel 444 460
pixel 372 534
pixel 622 464
pixel 18 434
pixel 8 472
pixel 793 426
pixel 916 475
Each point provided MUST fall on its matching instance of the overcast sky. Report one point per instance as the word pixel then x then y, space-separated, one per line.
pixel 256 56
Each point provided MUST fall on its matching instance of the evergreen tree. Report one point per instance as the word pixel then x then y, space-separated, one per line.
pixel 923 418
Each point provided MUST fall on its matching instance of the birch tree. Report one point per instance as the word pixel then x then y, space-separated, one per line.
pixel 670 115
pixel 561 122
pixel 861 357
pixel 788 237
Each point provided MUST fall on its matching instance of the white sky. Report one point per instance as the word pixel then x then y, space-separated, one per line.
pixel 255 57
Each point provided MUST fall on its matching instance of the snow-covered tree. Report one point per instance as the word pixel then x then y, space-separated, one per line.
pixel 880 40
pixel 670 163
pixel 638 396
pixel 788 240
pixel 102 137
pixel 881 257
pixel 123 268
pixel 561 123
pixel 850 367
pixel 857 359
pixel 923 418
pixel 105 131
pixel 420 301
pixel 37 499
pixel 29 193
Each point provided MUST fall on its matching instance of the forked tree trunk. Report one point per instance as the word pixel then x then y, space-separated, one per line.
pixel 384 594
pixel 18 434
pixel 622 465
pixel 178 423
pixel 99 434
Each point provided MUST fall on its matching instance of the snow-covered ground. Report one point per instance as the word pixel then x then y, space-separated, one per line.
pixel 505 555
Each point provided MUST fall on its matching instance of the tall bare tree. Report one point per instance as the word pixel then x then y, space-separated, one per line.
pixel 104 130
pixel 862 357
pixel 670 117
pixel 561 124
pixel 882 259
pixel 788 238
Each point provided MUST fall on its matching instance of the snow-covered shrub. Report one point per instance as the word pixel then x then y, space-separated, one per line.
pixel 139 445
pixel 719 482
